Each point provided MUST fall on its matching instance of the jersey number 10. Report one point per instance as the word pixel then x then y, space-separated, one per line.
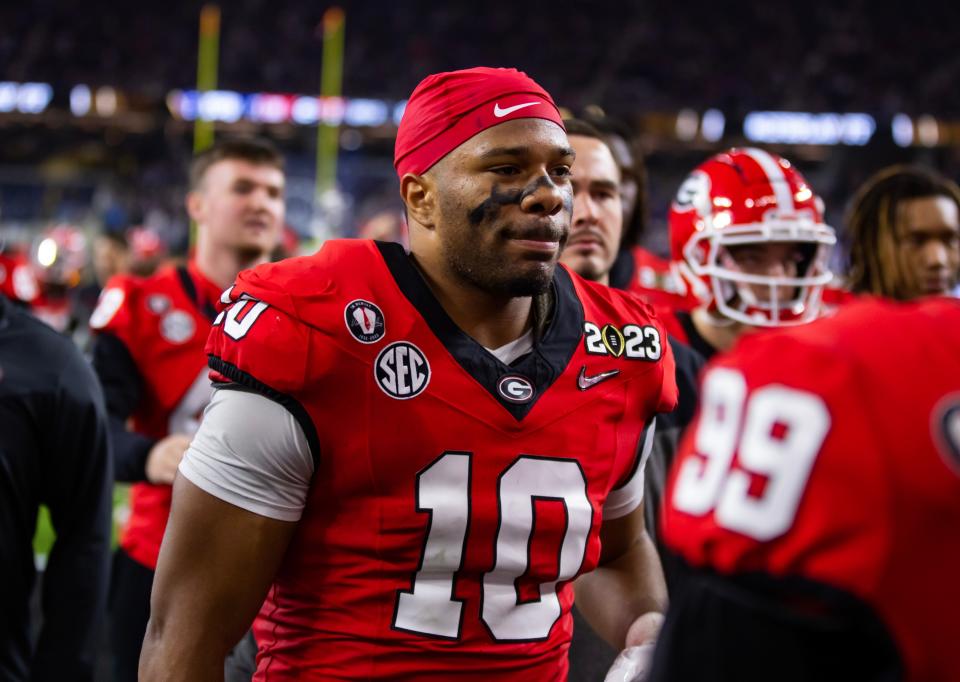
pixel 443 490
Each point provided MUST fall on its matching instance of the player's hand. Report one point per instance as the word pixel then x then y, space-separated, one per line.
pixel 164 458
pixel 633 663
pixel 644 629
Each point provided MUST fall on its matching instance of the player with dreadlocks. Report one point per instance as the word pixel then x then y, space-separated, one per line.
pixel 904 226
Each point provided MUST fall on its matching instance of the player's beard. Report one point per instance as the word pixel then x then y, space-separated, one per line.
pixel 476 249
pixel 489 271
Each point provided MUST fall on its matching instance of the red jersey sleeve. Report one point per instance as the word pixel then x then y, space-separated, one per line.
pixel 117 310
pixel 256 342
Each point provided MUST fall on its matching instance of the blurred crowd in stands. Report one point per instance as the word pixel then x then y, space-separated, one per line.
pixel 652 55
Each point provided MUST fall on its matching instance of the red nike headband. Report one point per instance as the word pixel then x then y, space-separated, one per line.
pixel 447 109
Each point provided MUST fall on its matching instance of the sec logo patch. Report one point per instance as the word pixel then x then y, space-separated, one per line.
pixel 364 321
pixel 401 370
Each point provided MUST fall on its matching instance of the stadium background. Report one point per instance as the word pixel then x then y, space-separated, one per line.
pixel 98 100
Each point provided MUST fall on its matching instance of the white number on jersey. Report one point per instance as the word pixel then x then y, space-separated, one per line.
pixel 443 489
pixel 781 435
pixel 239 318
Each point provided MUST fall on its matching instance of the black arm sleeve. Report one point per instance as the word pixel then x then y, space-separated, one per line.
pixel 77 490
pixel 122 389
pixel 670 428
pixel 756 628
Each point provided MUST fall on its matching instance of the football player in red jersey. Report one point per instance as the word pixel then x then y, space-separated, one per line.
pixel 596 232
pixel 816 503
pixel 904 229
pixel 149 356
pixel 748 234
pixel 425 449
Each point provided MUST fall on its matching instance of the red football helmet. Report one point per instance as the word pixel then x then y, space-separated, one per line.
pixel 750 197
pixel 58 256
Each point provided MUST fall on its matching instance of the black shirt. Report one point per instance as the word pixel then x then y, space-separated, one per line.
pixel 53 451
pixel 670 428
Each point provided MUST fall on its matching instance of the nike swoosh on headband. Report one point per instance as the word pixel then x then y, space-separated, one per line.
pixel 500 113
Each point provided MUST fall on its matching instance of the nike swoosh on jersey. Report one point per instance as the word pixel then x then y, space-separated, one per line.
pixel 584 382
pixel 500 113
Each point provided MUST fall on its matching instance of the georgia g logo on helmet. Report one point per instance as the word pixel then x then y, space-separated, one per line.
pixel 694 194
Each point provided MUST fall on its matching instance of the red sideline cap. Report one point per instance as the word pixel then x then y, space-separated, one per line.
pixel 447 109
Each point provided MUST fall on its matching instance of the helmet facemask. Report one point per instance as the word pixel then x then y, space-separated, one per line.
pixel 758 299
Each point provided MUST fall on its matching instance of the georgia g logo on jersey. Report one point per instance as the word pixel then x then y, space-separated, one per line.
pixel 401 370
pixel 516 389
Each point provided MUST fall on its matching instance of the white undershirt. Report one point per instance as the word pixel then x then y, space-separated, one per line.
pixel 509 352
pixel 251 452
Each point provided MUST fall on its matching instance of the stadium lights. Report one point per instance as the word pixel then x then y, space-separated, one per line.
pixel 105 101
pixel 265 108
pixel 218 105
pixel 902 130
pixel 25 98
pixel 365 113
pixel 688 125
pixel 928 131
pixel 80 100
pixel 687 121
pixel 229 107
pixel 305 111
pixel 398 110
pixel 795 127
pixel 712 125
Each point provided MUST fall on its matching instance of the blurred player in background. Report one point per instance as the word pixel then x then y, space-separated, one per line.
pixel 749 238
pixel 147 250
pixel 111 256
pixel 904 227
pixel 17 281
pixel 596 232
pixel 397 474
pixel 54 451
pixel 816 505
pixel 58 256
pixel 149 356
pixel 637 269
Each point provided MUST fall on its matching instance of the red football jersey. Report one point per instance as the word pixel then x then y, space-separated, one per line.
pixel 454 497
pixel 657 282
pixel 831 452
pixel 163 320
pixel 17 281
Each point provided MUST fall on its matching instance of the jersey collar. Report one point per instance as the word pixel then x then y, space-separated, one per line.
pixel 551 352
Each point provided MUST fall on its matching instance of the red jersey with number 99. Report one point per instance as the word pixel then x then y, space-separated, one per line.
pixel 831 453
pixel 454 497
